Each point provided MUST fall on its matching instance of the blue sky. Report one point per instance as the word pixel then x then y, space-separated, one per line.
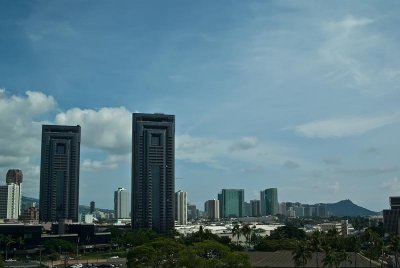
pixel 299 95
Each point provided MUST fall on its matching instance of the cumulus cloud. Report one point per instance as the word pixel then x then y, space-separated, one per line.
pixel 107 129
pixel 20 134
pixel 244 143
pixel 199 150
pixel 343 127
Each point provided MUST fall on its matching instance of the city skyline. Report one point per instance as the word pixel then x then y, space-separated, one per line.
pixel 300 96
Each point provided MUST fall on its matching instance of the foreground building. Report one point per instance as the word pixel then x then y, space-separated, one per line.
pixel 391 217
pixel 59 173
pixel 153 171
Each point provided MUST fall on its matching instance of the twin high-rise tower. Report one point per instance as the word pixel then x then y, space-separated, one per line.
pixel 153 172
pixel 59 173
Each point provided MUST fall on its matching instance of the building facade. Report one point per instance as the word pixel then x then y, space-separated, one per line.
pixel 181 214
pixel 232 203
pixel 255 208
pixel 269 202
pixel 121 204
pixel 193 212
pixel 59 173
pixel 211 209
pixel 153 171
pixel 10 206
pixel 391 217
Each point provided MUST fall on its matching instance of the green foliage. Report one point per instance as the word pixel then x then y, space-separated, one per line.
pixel 55 244
pixel 203 235
pixel 289 232
pixel 166 252
pixel 141 256
pixel 139 237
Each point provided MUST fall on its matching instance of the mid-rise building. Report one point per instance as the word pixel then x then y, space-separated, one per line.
pixel 153 171
pixel 255 208
pixel 10 201
pixel 16 176
pixel 269 202
pixel 193 212
pixel 121 204
pixel 211 209
pixel 31 214
pixel 59 173
pixel 232 203
pixel 181 207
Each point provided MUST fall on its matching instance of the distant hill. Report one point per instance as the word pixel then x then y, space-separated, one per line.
pixel 27 202
pixel 348 208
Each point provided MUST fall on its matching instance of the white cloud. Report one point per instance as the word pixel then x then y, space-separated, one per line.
pixel 108 129
pixel 350 50
pixel 111 162
pixel 20 134
pixel 244 143
pixel 343 127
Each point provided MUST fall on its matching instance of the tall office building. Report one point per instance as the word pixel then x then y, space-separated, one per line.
pixel 211 209
pixel 59 173
pixel 269 202
pixel 10 206
pixel 121 204
pixel 153 171
pixel 232 203
pixel 181 207
pixel 255 208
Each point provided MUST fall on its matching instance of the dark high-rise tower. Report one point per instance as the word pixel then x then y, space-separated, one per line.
pixel 92 207
pixel 59 173
pixel 153 171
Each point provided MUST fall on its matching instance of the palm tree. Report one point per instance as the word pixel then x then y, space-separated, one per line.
pixel 236 232
pixel 316 244
pixel 330 257
pixel 246 231
pixel 301 254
